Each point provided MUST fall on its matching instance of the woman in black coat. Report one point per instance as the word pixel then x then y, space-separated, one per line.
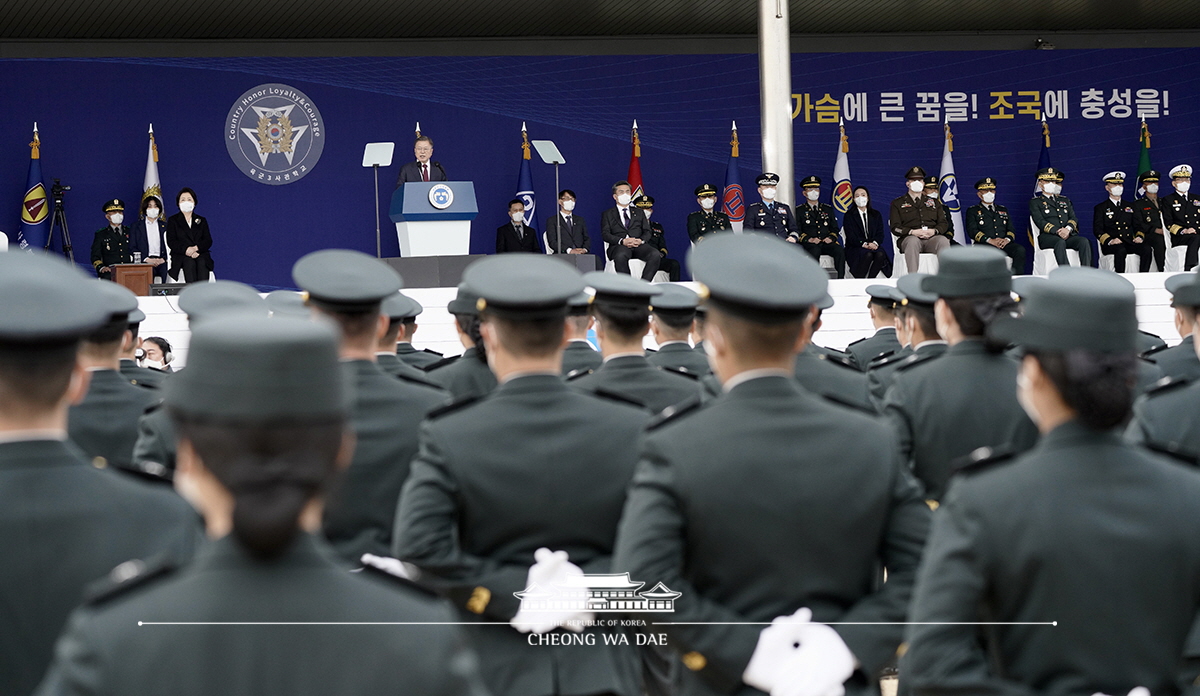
pixel 189 239
pixel 149 237
pixel 866 238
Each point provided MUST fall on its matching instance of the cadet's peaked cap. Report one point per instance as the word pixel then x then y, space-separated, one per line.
pixel 1184 289
pixel 342 280
pixel 810 180
pixel 881 295
pixel 1077 308
pixel 931 182
pixel 987 183
pixel 1117 177
pixel 241 368
pixel 675 298
pixel 287 303
pixel 464 302
pixel 908 290
pixel 118 300
pixel 579 304
pixel 1150 176
pixel 1181 171
pixel 915 173
pixel 1023 285
pixel 203 301
pixel 643 201
pixel 137 316
pixel 46 299
pixel 767 179
pixel 758 277
pixel 114 205
pixel 1047 174
pixel 706 190
pixel 400 306
pixel 620 289
pixel 523 286
pixel 825 302
pixel 970 270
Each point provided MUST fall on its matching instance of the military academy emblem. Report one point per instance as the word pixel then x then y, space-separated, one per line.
pixel 275 134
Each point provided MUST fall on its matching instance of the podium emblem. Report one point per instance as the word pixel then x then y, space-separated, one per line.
pixel 441 196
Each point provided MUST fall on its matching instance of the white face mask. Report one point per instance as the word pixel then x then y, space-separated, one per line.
pixel 860 201
pixel 708 203
pixel 916 186
pixel 769 193
pixel 187 206
pixel 989 197
pixel 647 212
pixel 117 218
pixel 624 198
pixel 1050 188
pixel 152 364
pixel 1116 191
pixel 932 194
pixel 152 213
pixel 568 206
pixel 517 216
pixel 1151 188
pixel 1183 186
pixel 812 194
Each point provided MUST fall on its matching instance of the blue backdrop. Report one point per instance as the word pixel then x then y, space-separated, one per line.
pixel 93 116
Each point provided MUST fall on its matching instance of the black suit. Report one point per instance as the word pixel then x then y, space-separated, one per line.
pixel 412 172
pixel 613 229
pixel 574 234
pixel 865 263
pixel 508 240
pixel 180 236
pixel 139 240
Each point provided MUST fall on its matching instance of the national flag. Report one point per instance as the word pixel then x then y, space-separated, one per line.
pixel 733 202
pixel 151 185
pixel 1143 157
pixel 525 181
pixel 948 187
pixel 35 209
pixel 843 192
pixel 635 164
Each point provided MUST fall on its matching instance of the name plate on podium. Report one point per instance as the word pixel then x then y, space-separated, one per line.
pixel 433 218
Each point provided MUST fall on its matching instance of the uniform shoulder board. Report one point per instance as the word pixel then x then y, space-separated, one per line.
pixel 681 371
pixel 981 459
pixel 441 363
pixel 1154 350
pixel 854 343
pixel 413 379
pixel 849 403
pixel 1174 451
pixel 394 572
pixel 452 407
pixel 576 374
pixel 650 351
pixel 155 472
pixel 672 413
pixel 128 576
pixel 888 358
pixel 431 352
pixel 882 357
pixel 914 360
pixel 620 398
pixel 839 361
pixel 1167 384
pixel 153 407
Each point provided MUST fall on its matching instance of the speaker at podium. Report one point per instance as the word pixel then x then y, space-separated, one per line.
pixel 433 218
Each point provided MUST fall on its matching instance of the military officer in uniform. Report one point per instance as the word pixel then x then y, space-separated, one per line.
pixel 882 308
pixel 1055 221
pixel 1150 217
pixel 671 318
pixel 405 350
pixel 658 238
pixel 768 215
pixel 943 410
pixel 524 487
pixel 1116 227
pixel 1179 361
pixel 932 190
pixel 64 522
pixel 817 229
pixel 916 328
pixel 621 307
pixel 110 244
pixel 708 220
pixel 579 355
pixel 917 221
pixel 467 375
pixel 1181 213
pixel 988 222
pixel 261 439
pixel 1073 568
pixel 398 309
pixel 348 287
pixel 770 503
pixel 830 373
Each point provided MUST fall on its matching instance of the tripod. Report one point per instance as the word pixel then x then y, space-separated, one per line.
pixel 59 220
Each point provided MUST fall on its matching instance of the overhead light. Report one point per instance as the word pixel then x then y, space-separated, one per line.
pixel 1043 45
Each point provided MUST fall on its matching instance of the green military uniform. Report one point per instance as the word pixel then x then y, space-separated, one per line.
pixel 1052 213
pixel 883 341
pixel 817 228
pixel 485 494
pixel 1166 418
pixel 944 409
pixel 988 221
pixel 832 378
pixel 402 308
pixel 1035 539
pixel 1148 342
pixel 417 357
pixel 806 521
pixel 579 356
pixel 1178 361
pixel 141 376
pixel 675 307
pixel 678 355
pixel 468 375
pixel 64 522
pixel 110 244
pixel 880 373
pixel 907 213
pixel 701 223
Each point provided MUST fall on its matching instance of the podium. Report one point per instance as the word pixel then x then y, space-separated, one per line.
pixel 433 218
pixel 138 277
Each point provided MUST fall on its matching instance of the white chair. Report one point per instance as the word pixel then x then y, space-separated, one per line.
pixel 1109 262
pixel 927 263
pixel 546 242
pixel 3 242
pixel 1175 255
pixel 636 266
pixel 1044 260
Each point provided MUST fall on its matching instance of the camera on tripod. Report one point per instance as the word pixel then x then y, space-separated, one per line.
pixel 59 220
pixel 57 190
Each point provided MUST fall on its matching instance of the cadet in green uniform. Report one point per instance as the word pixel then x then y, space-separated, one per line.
pixel 348 287
pixel 261 440
pixel 417 357
pixel 658 238
pixel 467 375
pixel 945 409
pixel 988 222
pixel 671 318
pixel 399 308
pixel 830 373
pixel 768 215
pixel 501 482
pixel 1179 361
pixel 579 355
pixel 622 310
pixel 1181 213
pixel 1115 225
pixel 917 329
pixel 708 220
pixel 817 229
pixel 882 308
pixel 111 243
pixel 770 502
pixel 917 221
pixel 1083 554
pixel 129 369
pixel 1054 219
pixel 1150 218
pixel 64 522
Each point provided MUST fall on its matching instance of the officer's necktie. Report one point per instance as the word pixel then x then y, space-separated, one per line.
pixel 625 216
pixel 520 230
pixel 424 172
pixel 771 207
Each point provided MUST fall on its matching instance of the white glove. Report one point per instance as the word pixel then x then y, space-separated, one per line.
pixel 391 566
pixel 776 644
pixel 819 667
pixel 1135 691
pixel 552 568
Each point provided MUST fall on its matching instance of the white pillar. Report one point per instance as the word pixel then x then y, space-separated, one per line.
pixel 775 94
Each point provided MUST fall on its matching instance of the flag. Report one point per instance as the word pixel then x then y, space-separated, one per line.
pixel 948 187
pixel 843 192
pixel 35 212
pixel 635 165
pixel 1043 163
pixel 733 203
pixel 151 186
pixel 1144 157
pixel 525 182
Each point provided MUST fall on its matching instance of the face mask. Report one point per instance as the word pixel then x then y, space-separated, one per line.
pixel 647 212
pixel 916 186
pixel 568 206
pixel 624 198
pixel 708 203
pixel 812 194
pixel 1151 188
pixel 152 213
pixel 1116 191
pixel 1183 186
pixel 932 194
pixel 152 364
pixel 187 206
pixel 517 216
pixel 1023 396
pixel 860 201
pixel 769 193
pixel 989 197
pixel 116 218
pixel 1050 189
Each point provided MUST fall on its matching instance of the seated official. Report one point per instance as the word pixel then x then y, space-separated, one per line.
pixel 1150 217
pixel 1055 221
pixel 708 220
pixel 918 221
pixel 866 238
pixel 658 238
pixel 516 235
pixel 149 237
pixel 932 190
pixel 989 223
pixel 1115 225
pixel 566 232
pixel 423 169
pixel 1181 212
pixel 817 231
pixel 627 232
pixel 768 215
pixel 110 245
